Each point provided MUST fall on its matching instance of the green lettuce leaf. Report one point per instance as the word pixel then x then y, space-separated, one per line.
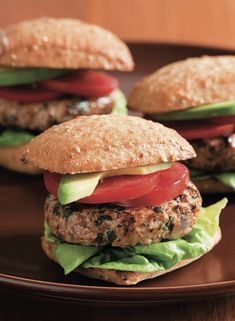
pixel 144 258
pixel 120 103
pixel 49 236
pixel 70 256
pixel 227 178
pixel 14 137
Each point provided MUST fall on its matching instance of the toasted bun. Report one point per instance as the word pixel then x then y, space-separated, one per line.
pixel 184 84
pixel 122 277
pixel 212 186
pixel 106 142
pixel 62 43
pixel 10 157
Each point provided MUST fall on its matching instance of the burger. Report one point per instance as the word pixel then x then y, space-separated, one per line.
pixel 196 97
pixel 52 70
pixel 121 208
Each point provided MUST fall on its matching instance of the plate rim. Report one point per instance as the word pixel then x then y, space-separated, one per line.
pixel 119 294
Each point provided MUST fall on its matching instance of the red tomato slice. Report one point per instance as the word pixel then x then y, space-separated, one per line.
pixel 122 188
pixel 200 129
pixel 173 182
pixel 51 181
pixel 86 83
pixel 28 94
pixel 222 119
pixel 111 189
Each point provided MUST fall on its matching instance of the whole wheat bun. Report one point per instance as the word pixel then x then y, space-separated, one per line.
pixel 10 158
pixel 212 186
pixel 62 43
pixel 183 84
pixel 122 277
pixel 105 142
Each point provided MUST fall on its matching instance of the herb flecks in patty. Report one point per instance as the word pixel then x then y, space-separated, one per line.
pixel 103 218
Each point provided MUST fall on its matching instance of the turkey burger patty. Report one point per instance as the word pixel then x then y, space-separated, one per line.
pixel 119 199
pixel 215 154
pixel 103 224
pixel 41 116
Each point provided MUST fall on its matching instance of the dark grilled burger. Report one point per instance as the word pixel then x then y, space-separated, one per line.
pixel 121 208
pixel 52 70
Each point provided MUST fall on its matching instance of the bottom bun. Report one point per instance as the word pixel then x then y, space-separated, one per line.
pixel 122 277
pixel 10 158
pixel 212 186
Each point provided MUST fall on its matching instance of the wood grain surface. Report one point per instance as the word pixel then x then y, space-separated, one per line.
pixel 201 22
pixel 21 308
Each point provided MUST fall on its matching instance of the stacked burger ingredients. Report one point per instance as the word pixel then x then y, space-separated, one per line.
pixel 196 97
pixel 51 73
pixel 120 206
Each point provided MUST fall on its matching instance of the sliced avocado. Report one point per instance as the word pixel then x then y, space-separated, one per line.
pixel 200 112
pixel 75 187
pixel 19 76
pixel 120 103
pixel 227 178
pixel 195 173
pixel 10 138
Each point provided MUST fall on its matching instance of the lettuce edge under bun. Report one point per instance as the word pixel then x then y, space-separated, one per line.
pixel 15 137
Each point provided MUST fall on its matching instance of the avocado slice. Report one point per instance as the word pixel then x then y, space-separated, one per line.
pixel 119 107
pixel 77 186
pixel 227 178
pixel 199 112
pixel 74 187
pixel 20 76
pixel 11 138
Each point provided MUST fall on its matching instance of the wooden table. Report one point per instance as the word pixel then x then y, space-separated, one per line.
pixel 22 308
pixel 197 22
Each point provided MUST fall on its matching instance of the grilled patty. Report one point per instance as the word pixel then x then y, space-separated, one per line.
pixel 214 154
pixel 105 224
pixel 40 116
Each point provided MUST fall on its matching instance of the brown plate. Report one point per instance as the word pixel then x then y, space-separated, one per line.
pixel 23 266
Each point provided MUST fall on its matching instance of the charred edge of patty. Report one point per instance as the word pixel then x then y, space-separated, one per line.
pixel 107 224
pixel 40 116
pixel 215 154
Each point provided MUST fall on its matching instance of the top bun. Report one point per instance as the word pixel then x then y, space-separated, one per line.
pixel 188 83
pixel 105 142
pixel 62 43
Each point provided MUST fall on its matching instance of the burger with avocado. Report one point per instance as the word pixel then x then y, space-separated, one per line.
pixel 121 208
pixel 50 73
pixel 196 97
